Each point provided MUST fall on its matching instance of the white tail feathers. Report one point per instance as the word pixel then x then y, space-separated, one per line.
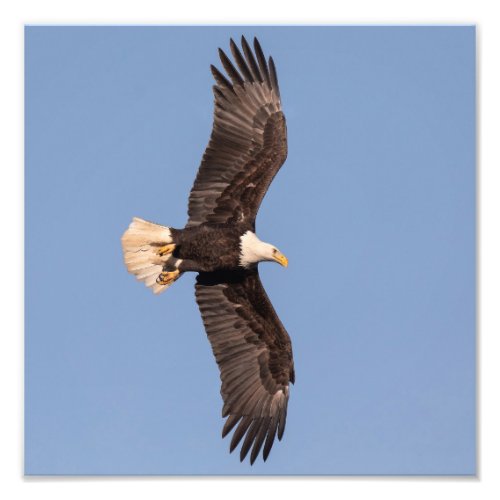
pixel 142 243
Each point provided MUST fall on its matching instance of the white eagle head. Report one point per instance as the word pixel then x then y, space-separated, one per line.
pixel 253 250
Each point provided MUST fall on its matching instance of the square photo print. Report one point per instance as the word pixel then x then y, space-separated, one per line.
pixel 250 250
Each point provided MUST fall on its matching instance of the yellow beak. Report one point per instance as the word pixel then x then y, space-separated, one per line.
pixel 281 259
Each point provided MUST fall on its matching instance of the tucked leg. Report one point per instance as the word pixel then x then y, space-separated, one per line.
pixel 167 277
pixel 166 249
pixel 187 265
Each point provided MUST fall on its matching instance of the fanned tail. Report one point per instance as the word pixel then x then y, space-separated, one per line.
pixel 148 252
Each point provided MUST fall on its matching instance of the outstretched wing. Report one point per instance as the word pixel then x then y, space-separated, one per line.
pixel 248 142
pixel 254 354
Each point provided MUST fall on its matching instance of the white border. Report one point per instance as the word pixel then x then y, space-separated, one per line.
pixel 12 19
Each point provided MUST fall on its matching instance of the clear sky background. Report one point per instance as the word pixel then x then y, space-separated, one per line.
pixel 375 209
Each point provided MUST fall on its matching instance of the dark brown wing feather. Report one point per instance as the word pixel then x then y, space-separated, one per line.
pixel 248 142
pixel 254 354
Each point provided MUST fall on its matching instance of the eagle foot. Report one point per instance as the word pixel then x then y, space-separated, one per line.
pixel 167 278
pixel 166 250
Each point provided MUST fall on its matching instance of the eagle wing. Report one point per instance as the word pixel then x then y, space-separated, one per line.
pixel 254 354
pixel 248 143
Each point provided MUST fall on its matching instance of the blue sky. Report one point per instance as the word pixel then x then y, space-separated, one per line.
pixel 375 209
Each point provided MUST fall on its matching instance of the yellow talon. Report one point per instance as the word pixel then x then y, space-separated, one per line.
pixel 166 249
pixel 167 278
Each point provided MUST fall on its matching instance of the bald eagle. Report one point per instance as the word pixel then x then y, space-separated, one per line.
pixel 247 147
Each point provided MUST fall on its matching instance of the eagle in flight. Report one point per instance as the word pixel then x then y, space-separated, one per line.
pixel 247 147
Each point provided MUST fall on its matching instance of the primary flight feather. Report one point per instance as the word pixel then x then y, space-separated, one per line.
pixel 247 147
